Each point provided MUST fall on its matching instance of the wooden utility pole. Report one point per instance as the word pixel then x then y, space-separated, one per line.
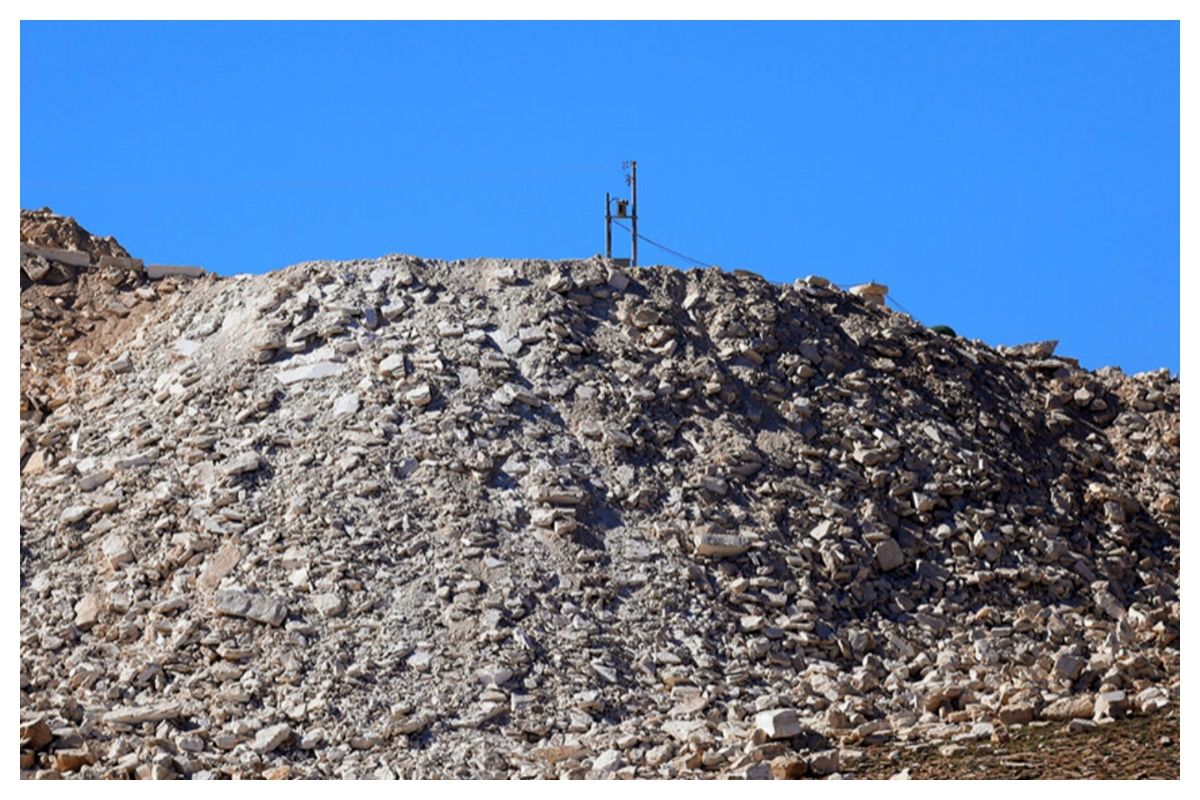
pixel 607 225
pixel 633 190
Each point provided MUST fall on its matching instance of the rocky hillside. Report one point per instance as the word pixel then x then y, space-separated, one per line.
pixel 408 518
pixel 44 228
pixel 80 296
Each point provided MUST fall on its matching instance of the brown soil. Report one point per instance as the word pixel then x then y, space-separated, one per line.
pixel 1140 748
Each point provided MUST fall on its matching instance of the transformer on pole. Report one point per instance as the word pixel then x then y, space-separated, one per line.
pixel 625 209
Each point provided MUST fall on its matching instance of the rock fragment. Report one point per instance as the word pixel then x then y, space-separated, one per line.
pixel 256 607
pixel 243 463
pixel 720 545
pixel 219 565
pixel 1071 707
pixel 420 396
pixel 778 723
pixel 135 715
pixel 392 366
pixel 329 604
pixel 272 738
pixel 116 550
pixel 311 372
pixel 73 514
pixel 88 610
pixel 346 405
pixel 889 555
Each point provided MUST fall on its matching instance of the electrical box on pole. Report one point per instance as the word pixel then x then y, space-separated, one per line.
pixel 620 208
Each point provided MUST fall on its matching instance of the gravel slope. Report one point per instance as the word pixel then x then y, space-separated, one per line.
pixel 407 518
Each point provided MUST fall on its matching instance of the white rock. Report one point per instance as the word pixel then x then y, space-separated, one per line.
pixel 531 335
pixel 94 480
pixel 420 396
pixel 242 464
pixel 87 610
pixel 1109 705
pixel 271 738
pixel 135 715
pixel 308 372
pixel 1151 699
pixel 345 405
pixel 312 740
pixel 272 339
pixel 683 729
pixel 392 366
pixel 822 529
pixel 329 604
pixel 608 762
pixel 73 514
pixel 186 347
pixel 778 723
pixel 115 548
pixel 420 661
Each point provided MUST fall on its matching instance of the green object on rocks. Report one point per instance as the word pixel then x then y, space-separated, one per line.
pixel 945 330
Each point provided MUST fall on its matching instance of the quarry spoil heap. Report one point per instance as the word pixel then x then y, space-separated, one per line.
pixel 410 518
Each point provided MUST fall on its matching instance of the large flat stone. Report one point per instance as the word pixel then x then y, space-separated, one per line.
pixel 158 271
pixel 721 545
pixel 75 258
pixel 135 715
pixel 258 607
pixel 309 372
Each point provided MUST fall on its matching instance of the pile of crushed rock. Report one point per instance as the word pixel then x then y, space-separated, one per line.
pixel 410 518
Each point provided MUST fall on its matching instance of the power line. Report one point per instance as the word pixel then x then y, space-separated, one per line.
pixel 648 240
pixel 622 205
pixel 892 297
pixel 700 263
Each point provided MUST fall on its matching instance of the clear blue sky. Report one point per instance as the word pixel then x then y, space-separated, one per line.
pixel 1017 181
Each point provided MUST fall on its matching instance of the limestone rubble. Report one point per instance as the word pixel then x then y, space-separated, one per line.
pixel 409 518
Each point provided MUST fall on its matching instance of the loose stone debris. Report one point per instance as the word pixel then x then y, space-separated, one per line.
pixel 408 518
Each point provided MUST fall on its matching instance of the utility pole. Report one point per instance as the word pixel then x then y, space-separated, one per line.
pixel 626 209
pixel 633 189
pixel 607 225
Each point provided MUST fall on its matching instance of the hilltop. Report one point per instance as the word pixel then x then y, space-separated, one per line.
pixel 410 518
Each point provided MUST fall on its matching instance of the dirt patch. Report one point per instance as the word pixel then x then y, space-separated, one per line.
pixel 1133 749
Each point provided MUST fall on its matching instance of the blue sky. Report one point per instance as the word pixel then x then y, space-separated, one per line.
pixel 1017 181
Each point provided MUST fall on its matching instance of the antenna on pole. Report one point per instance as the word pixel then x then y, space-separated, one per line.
pixel 625 209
